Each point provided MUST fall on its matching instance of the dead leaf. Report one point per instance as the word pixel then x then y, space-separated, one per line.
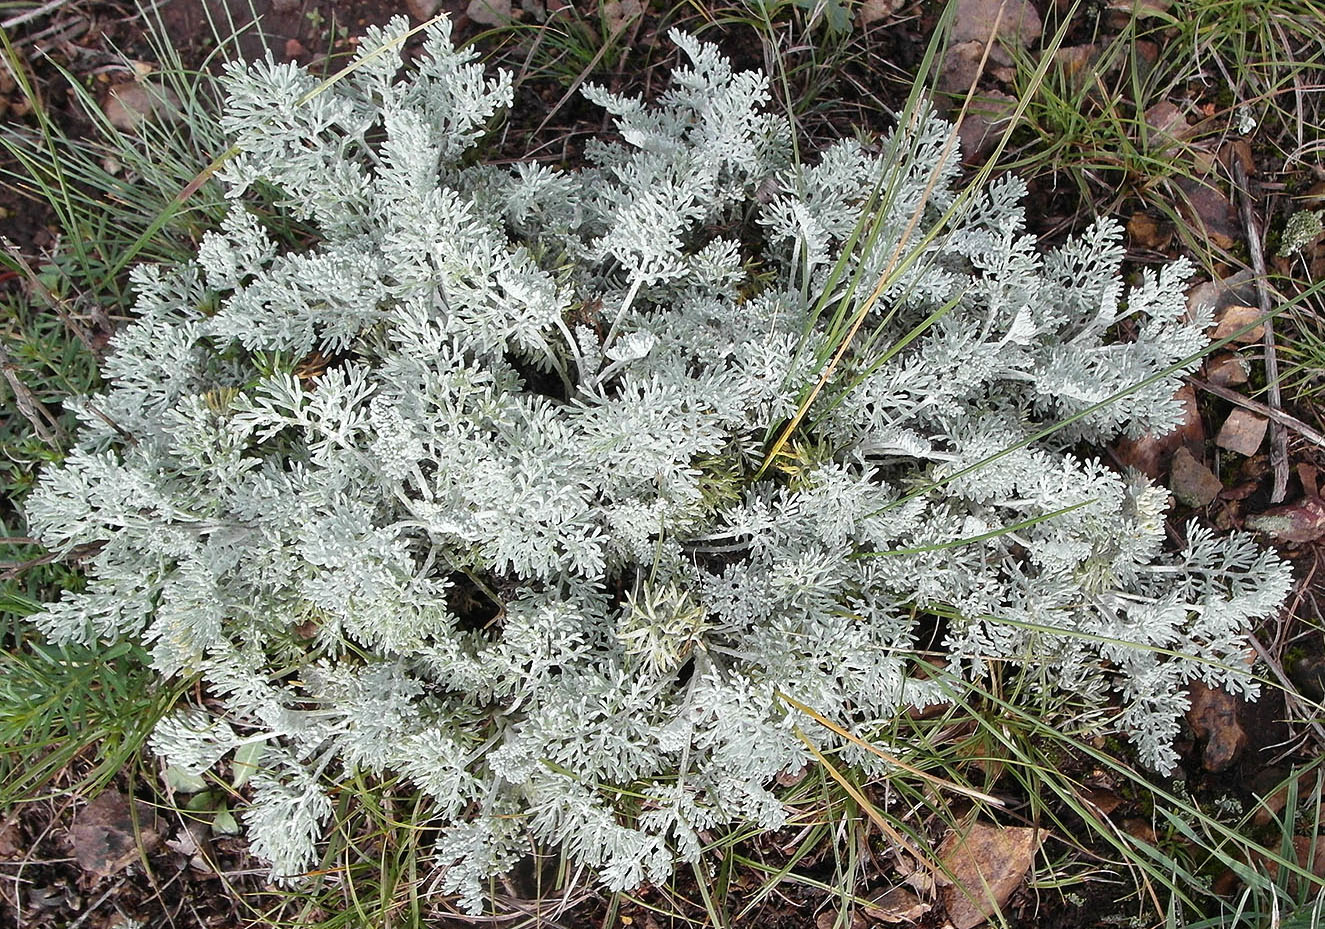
pixel 1150 453
pixel 1310 854
pixel 986 864
pixel 1145 231
pixel 1102 801
pixel 899 905
pixel 1299 522
pixel 1073 59
pixel 830 919
pixel 11 841
pixel 1192 483
pixel 1308 673
pixel 1213 716
pixel 1227 370
pixel 1231 320
pixel 129 104
pixel 792 778
pixel 1142 8
pixel 1209 212
pixel 106 838
pixel 1168 125
pixel 1240 491
pixel 1242 432
pixel 1270 788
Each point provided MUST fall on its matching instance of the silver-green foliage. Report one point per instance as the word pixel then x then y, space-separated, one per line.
pixel 471 488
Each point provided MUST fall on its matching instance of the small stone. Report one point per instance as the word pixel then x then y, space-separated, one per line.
pixel 620 13
pixel 973 21
pixel 874 11
pixel 423 9
pixel 1233 320
pixel 961 67
pixel 1242 432
pixel 1192 483
pixel 489 12
pixel 294 50
pixel 899 905
pixel 1227 370
pixel 986 119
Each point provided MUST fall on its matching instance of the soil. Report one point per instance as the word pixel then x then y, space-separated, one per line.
pixel 192 878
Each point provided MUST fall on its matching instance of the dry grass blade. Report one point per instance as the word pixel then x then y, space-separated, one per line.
pixel 1278 440
pixel 894 260
pixel 875 816
pixel 891 759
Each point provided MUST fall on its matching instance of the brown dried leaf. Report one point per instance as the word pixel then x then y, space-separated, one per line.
pixel 1310 854
pixel 1209 211
pixel 1192 483
pixel 1102 801
pixel 1168 124
pixel 11 840
pixel 1213 716
pixel 1145 231
pixel 106 838
pixel 1242 432
pixel 1299 522
pixel 129 104
pixel 987 864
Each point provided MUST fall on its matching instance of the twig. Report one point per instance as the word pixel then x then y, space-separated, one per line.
pixel 34 411
pixel 12 569
pixel 1278 440
pixel 1274 415
pixel 55 303
pixel 29 15
pixel 1290 691
pixel 92 907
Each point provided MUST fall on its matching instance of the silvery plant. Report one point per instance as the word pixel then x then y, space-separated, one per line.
pixel 552 491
